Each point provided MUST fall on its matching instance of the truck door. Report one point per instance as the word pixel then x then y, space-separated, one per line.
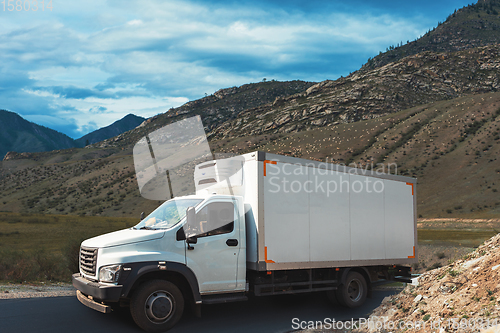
pixel 214 257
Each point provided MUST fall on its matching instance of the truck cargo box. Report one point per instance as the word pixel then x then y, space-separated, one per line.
pixel 308 214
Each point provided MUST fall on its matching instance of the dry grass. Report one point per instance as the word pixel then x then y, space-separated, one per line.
pixel 26 232
pixel 45 247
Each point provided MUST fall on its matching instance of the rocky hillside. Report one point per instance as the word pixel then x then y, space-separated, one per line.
pixel 100 179
pixel 469 27
pixel 452 147
pixel 412 81
pixel 223 105
pixel 18 134
pixel 466 292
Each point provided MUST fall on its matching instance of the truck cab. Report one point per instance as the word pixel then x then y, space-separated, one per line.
pixel 196 241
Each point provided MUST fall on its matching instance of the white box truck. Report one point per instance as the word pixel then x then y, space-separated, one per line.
pixel 260 224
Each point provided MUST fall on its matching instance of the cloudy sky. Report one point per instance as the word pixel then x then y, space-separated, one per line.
pixel 85 64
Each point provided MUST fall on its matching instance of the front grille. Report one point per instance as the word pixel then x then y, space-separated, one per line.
pixel 88 260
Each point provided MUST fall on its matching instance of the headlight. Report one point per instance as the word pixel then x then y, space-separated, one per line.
pixel 110 273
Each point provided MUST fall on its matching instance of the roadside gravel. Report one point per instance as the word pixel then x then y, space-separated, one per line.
pixel 11 290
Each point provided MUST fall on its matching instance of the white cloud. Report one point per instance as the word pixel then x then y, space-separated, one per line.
pixel 134 22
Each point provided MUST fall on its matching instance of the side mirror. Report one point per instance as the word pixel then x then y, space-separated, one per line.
pixel 142 216
pixel 190 221
pixel 180 234
pixel 190 216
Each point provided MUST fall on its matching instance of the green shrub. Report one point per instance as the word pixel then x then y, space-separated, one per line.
pixel 440 255
pixel 434 266
pixel 40 265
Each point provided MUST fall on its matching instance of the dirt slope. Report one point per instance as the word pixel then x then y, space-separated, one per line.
pixel 460 297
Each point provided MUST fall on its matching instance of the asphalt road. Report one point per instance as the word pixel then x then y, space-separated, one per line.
pixel 260 314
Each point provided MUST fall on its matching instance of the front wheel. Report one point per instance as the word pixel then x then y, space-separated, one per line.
pixel 353 292
pixel 157 305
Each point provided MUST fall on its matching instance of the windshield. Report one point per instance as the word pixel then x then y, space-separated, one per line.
pixel 168 214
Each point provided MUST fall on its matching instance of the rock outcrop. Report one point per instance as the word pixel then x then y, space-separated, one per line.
pixel 461 297
pixel 412 81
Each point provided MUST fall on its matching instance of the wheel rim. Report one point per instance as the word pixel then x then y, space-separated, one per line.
pixel 159 306
pixel 355 290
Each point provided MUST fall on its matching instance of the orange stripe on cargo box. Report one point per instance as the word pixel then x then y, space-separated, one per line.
pixel 413 256
pixel 270 162
pixel 265 256
pixel 411 184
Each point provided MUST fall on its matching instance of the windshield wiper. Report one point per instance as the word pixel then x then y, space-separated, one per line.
pixel 147 228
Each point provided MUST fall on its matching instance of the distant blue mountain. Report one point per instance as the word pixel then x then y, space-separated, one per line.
pixel 125 124
pixel 20 135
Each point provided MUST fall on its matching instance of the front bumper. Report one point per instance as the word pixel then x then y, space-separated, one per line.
pixel 99 291
pixel 85 300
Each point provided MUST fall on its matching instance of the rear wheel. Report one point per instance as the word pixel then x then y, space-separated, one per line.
pixel 157 306
pixel 353 292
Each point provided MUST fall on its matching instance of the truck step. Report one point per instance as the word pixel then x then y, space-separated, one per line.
pixel 294 287
pixel 403 279
pixel 224 298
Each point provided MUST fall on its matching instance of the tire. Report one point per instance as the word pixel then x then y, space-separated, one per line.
pixel 353 292
pixel 157 305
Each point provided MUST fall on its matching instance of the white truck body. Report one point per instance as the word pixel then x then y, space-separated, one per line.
pixel 259 223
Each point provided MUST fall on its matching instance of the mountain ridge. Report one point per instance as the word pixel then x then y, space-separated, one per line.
pixel 20 137
pixel 469 27
pixel 418 79
pixel 118 127
pixel 222 105
pixel 19 134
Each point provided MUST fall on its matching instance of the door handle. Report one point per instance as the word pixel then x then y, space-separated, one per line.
pixel 232 242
